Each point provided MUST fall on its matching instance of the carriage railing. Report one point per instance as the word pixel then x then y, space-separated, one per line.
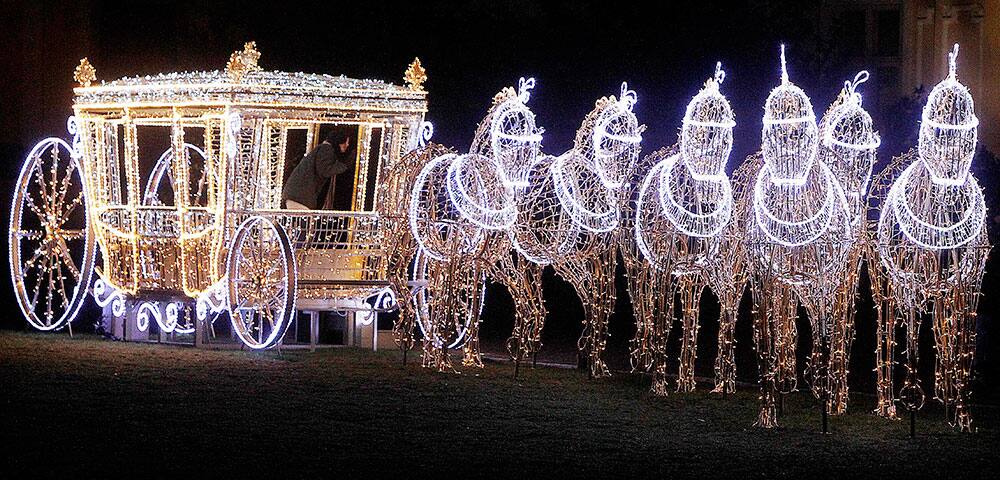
pixel 337 253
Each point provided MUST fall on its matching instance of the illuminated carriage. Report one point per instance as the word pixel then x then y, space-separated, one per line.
pixel 176 180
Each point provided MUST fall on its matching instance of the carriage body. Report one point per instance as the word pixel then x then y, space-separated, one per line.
pixel 175 166
pixel 226 161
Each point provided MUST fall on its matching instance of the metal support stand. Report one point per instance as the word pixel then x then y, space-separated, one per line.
pixel 199 332
pixel 313 330
pixel 825 417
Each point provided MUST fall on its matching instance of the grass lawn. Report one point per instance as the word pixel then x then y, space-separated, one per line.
pixel 89 407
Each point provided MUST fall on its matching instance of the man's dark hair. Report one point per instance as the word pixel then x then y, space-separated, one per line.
pixel 336 136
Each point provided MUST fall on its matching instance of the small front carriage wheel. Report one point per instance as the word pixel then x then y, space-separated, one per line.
pixel 455 337
pixel 262 284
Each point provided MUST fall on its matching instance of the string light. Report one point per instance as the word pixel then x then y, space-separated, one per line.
pixel 455 202
pixel 47 232
pixel 792 223
pixel 707 131
pixel 486 199
pixel 788 114
pixel 604 153
pixel 848 148
pixel 616 138
pixel 508 133
pixel 850 142
pixel 582 194
pixel 948 129
pixel 544 230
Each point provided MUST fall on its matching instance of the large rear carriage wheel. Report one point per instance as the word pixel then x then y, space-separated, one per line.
pixel 50 244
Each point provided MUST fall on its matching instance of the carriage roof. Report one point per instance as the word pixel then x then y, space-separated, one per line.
pixel 243 83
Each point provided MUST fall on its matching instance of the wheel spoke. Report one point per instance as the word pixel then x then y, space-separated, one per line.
pixel 64 255
pixel 64 185
pixel 42 190
pixel 72 234
pixel 30 201
pixel 62 284
pixel 29 234
pixel 48 297
pixel 38 282
pixel 276 299
pixel 260 244
pixel 54 194
pixel 241 305
pixel 64 216
pixel 32 260
pixel 274 267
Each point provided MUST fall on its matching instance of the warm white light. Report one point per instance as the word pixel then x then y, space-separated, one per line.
pixel 616 140
pixel 508 133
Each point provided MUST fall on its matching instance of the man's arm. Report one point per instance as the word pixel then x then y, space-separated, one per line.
pixel 328 163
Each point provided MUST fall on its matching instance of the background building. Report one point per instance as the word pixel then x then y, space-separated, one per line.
pixel 905 46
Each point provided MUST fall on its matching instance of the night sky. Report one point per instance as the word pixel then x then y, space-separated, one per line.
pixel 577 51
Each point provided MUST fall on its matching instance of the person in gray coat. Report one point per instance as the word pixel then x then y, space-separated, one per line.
pixel 308 179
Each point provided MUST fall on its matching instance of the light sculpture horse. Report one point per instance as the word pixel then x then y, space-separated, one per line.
pixel 542 233
pixel 455 204
pixel 848 146
pixel 683 206
pixel 604 153
pixel 798 240
pixel 933 246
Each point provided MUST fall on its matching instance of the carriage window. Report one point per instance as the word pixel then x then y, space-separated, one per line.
pixel 341 188
pixel 304 182
pixel 295 148
pixel 371 176
pixel 153 144
pixel 156 170
pixel 114 185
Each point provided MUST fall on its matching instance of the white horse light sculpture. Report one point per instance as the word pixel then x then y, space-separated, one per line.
pixel 683 205
pixel 933 246
pixel 798 240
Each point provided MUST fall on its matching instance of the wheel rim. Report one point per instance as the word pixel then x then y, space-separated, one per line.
pixel 261 271
pixel 162 171
pixel 51 248
pixel 422 300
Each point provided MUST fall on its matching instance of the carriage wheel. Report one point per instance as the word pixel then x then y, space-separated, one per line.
pixel 262 288
pixel 423 297
pixel 51 248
